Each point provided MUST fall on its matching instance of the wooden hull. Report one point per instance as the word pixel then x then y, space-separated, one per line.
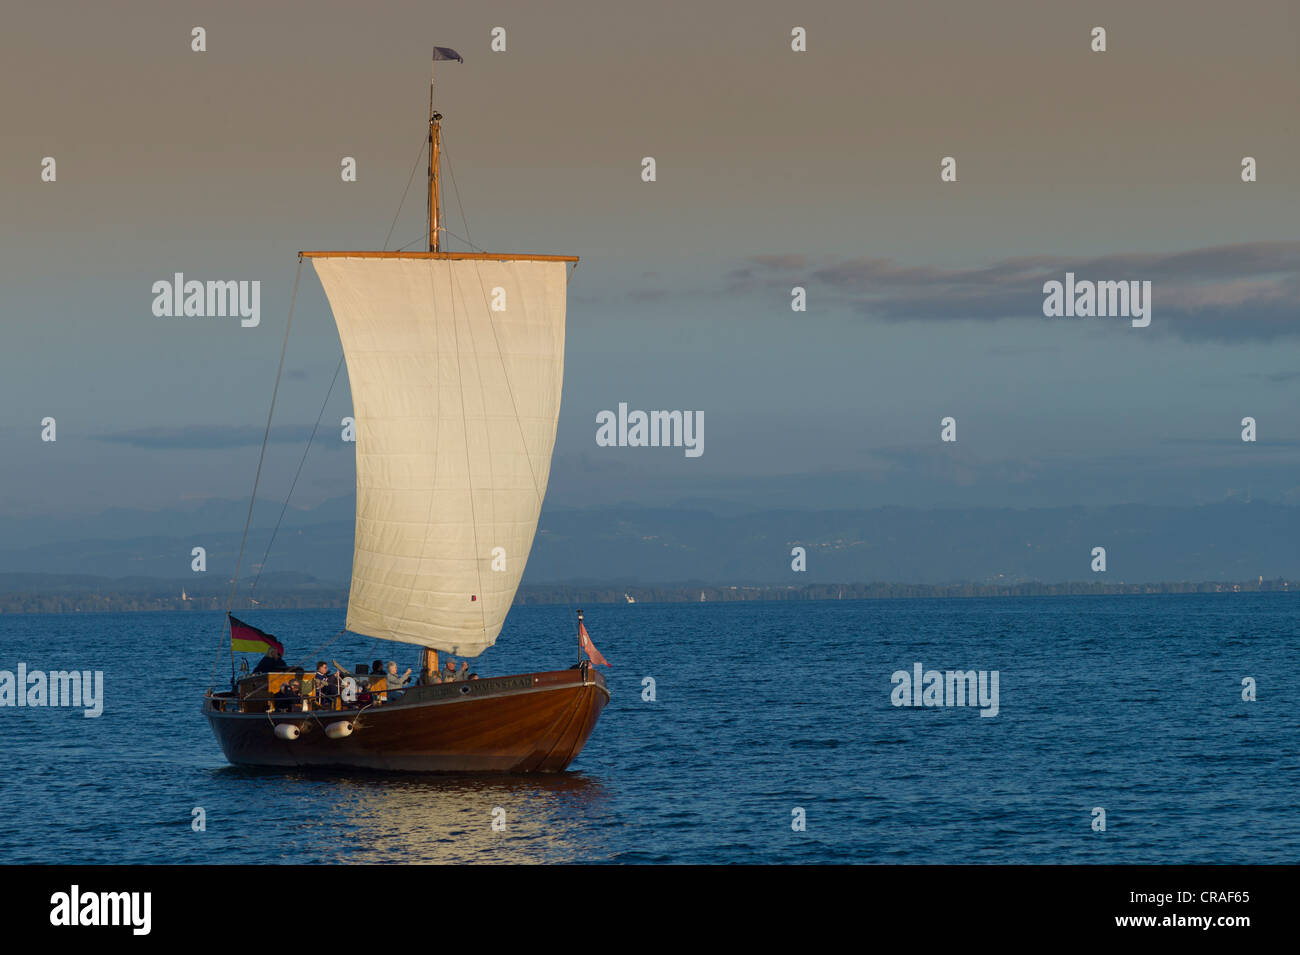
pixel 532 722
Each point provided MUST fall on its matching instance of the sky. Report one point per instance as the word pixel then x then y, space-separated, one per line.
pixel 775 169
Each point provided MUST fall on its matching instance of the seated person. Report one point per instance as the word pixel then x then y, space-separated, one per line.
pixel 289 697
pixel 396 682
pixel 273 662
pixel 450 675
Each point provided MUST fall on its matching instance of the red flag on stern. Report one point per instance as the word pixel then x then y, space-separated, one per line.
pixel 584 641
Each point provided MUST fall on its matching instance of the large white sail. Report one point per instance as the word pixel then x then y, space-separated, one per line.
pixel 456 405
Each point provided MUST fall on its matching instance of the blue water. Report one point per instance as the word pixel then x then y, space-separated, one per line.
pixel 1132 704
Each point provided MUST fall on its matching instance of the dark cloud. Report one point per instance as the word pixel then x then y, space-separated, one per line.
pixel 1229 293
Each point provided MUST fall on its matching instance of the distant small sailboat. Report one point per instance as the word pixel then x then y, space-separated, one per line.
pixel 629 598
pixel 456 363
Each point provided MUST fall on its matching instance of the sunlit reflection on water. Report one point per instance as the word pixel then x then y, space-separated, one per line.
pixel 384 818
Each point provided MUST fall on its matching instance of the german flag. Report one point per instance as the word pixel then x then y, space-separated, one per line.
pixel 245 638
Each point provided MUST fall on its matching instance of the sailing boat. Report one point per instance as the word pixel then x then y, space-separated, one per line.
pixel 456 364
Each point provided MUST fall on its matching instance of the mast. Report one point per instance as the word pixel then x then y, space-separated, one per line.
pixel 435 239
pixel 434 120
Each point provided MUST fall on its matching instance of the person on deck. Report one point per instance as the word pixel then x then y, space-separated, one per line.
pixel 450 675
pixel 464 671
pixel 396 682
pixel 272 663
pixel 327 685
pixel 289 697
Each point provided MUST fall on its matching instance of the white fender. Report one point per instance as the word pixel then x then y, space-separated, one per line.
pixel 339 730
pixel 287 731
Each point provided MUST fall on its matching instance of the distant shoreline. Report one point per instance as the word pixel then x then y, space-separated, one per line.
pixel 140 595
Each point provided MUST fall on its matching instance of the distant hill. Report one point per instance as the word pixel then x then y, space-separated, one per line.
pixel 68 593
pixel 631 546
pixel 79 593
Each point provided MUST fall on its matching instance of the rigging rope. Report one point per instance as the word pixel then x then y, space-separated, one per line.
pixel 303 460
pixel 466 241
pixel 456 189
pixel 234 581
pixel 409 179
pixel 467 237
pixel 316 651
pixel 418 238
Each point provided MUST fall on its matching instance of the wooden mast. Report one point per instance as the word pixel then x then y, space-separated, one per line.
pixel 434 120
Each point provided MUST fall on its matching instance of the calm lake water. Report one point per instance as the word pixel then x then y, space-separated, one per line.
pixel 1131 704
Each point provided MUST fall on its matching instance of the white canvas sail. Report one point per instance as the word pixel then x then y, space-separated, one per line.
pixel 456 406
